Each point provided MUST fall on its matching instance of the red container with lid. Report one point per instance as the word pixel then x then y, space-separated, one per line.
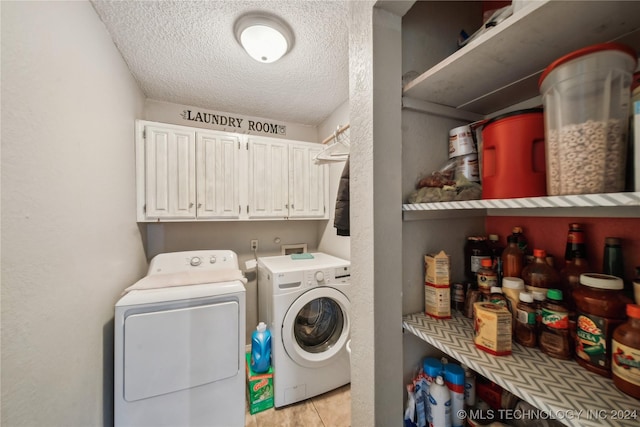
pixel 513 155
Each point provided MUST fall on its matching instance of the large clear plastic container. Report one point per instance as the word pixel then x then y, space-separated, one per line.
pixel 586 97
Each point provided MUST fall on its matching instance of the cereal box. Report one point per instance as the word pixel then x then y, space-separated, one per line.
pixel 437 268
pixel 492 328
pixel 260 388
pixel 437 301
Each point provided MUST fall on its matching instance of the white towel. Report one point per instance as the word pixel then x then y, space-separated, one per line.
pixel 186 278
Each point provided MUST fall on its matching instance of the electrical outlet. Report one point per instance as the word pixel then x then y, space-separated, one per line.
pixel 254 244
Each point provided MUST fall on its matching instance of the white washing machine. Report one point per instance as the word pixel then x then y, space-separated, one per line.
pixel 305 302
pixel 179 350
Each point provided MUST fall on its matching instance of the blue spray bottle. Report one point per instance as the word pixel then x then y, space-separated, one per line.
pixel 260 349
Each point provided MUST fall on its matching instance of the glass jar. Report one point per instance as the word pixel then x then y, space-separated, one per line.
pixel 600 304
pixel 525 330
pixel 555 338
pixel 475 251
pixel 487 277
pixel 625 362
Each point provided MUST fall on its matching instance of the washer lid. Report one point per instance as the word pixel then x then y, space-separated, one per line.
pixel 282 263
pixel 177 293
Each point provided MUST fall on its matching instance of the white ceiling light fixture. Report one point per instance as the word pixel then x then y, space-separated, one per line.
pixel 266 38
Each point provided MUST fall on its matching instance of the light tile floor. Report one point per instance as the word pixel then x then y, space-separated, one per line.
pixel 332 409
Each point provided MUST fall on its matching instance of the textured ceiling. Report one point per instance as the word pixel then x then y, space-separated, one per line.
pixel 185 52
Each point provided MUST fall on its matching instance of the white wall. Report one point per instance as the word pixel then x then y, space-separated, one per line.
pixel 70 242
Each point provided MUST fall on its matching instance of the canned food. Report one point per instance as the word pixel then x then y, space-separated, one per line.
pixel 461 142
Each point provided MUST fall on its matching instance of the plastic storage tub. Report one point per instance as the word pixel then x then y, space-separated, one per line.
pixel 513 155
pixel 586 98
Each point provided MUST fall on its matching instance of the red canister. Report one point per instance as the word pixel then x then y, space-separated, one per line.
pixel 513 155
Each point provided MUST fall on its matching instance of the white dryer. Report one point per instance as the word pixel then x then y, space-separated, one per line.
pixel 305 302
pixel 179 350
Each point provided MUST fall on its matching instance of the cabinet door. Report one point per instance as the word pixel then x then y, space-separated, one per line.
pixel 170 185
pixel 217 175
pixel 306 182
pixel 268 178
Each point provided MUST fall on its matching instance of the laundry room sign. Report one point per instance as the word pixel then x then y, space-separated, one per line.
pixel 238 123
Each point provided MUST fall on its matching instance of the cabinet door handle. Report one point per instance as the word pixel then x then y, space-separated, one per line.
pixel 199 205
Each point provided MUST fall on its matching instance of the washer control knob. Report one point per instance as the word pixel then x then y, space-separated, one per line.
pixel 212 260
pixel 195 261
pixel 319 276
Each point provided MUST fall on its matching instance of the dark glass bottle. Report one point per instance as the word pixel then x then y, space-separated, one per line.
pixel 576 245
pixel 612 263
pixel 512 258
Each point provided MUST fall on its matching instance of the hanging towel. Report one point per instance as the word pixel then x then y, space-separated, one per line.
pixel 341 221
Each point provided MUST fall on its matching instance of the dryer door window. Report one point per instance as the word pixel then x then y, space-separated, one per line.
pixel 316 327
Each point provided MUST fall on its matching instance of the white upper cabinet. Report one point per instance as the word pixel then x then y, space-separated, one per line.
pixel 268 178
pixel 217 169
pixel 306 182
pixel 284 180
pixel 170 172
pixel 186 174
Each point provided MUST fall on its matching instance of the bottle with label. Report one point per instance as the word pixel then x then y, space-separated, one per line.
pixel 487 277
pixel 525 333
pixel 512 258
pixel 576 245
pixel 439 404
pixel 475 251
pixel 261 349
pixel 625 363
pixel 539 275
pixel 613 262
pixel 601 305
pixel 555 338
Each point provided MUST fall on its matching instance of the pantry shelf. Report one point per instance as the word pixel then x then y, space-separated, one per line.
pixel 558 387
pixel 604 205
pixel 502 66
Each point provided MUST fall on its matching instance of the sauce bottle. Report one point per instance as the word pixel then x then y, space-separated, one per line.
pixel 512 258
pixel 600 304
pixel 539 275
pixel 487 277
pixel 576 245
pixel 555 338
pixel 625 360
pixel 525 331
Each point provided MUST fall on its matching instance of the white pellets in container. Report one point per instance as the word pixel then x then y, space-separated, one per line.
pixel 586 97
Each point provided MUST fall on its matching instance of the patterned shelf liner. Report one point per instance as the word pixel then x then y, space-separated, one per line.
pixel 557 387
pixel 583 200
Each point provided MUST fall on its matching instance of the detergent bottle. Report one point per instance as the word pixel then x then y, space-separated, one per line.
pixel 261 349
